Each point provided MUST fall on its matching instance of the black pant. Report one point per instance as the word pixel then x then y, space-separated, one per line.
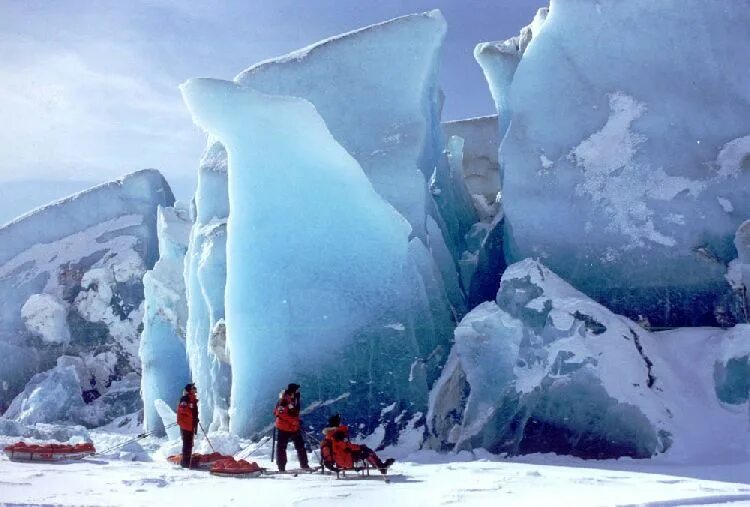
pixel 366 454
pixel 187 447
pixel 299 444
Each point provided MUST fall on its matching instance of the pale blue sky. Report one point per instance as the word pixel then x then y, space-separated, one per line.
pixel 88 89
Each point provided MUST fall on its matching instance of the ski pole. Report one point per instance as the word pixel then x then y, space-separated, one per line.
pixel 134 439
pixel 273 445
pixel 206 435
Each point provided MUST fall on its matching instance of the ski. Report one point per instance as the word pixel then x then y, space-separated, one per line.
pixel 293 472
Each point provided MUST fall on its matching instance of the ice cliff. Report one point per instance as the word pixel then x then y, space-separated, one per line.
pixel 375 99
pixel 625 153
pixel 162 347
pixel 70 284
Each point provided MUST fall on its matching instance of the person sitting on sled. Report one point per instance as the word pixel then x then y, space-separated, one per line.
pixel 289 427
pixel 345 453
pixel 187 420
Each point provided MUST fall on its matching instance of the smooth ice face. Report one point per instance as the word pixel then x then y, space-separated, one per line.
pixel 546 369
pixel 376 88
pixel 625 159
pixel 70 281
pixel 313 254
pixel 162 349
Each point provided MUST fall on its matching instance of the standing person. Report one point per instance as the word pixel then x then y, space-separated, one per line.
pixel 187 420
pixel 288 426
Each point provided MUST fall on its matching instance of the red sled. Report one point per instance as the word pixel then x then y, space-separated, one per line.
pixel 21 451
pixel 199 461
pixel 230 467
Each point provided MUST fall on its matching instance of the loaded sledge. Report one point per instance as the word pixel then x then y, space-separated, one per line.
pixel 21 451
pixel 199 461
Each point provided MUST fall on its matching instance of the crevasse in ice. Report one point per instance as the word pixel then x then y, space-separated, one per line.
pixel 546 369
pixel 314 255
pixel 162 349
pixel 625 154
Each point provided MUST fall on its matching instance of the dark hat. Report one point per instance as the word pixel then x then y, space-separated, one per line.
pixel 189 387
pixel 334 420
pixel 292 388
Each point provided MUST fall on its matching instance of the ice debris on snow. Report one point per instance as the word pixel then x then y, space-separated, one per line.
pixel 546 369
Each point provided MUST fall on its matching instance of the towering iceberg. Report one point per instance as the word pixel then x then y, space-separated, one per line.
pixel 315 257
pixel 70 282
pixel 625 155
pixel 162 349
pixel 205 275
pixel 377 90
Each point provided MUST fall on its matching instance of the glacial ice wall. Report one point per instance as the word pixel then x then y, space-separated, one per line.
pixel 625 154
pixel 162 348
pixel 376 91
pixel 205 275
pixel 314 255
pixel 70 282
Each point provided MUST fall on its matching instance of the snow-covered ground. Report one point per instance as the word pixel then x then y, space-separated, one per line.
pixel 423 479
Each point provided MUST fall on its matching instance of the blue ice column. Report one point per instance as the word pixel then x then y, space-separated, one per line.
pixel 162 348
pixel 205 275
pixel 625 157
pixel 377 90
pixel 313 254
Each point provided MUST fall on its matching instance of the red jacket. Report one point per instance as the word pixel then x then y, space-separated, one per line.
pixel 287 412
pixel 187 412
pixel 343 450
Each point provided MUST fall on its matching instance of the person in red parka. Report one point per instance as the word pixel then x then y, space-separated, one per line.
pixel 345 453
pixel 187 420
pixel 289 427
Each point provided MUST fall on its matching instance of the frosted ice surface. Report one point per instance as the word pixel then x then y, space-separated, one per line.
pixel 51 396
pixel 330 263
pixel 612 178
pixel 45 315
pixel 545 369
pixel 481 169
pixel 162 347
pixel 85 255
